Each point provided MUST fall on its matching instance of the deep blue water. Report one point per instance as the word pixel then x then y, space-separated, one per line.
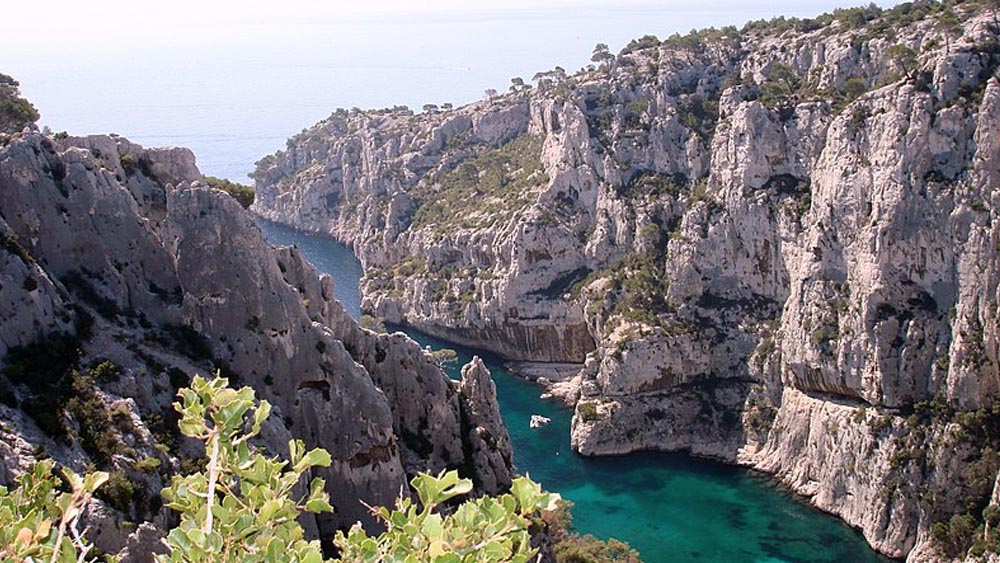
pixel 670 507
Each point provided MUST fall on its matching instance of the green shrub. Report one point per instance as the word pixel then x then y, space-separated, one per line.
pixel 700 115
pixel 242 193
pixel 588 549
pixel 105 371
pixel 760 414
pixel 119 492
pixel 127 162
pixel 374 324
pixel 38 523
pixel 954 537
pixel 587 410
pixel 147 465
pixel 781 89
pixel 573 548
pixel 96 428
pixel 644 42
pixel 46 368
pixel 637 106
pixel 16 113
pixel 10 243
pixel 853 89
pixel 239 506
pixel 444 357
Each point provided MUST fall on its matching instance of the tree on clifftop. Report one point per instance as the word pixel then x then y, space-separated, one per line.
pixel 16 113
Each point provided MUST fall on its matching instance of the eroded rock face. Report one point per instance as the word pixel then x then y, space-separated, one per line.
pixel 776 247
pixel 488 434
pixel 124 251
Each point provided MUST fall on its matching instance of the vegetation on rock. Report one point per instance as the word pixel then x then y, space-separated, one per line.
pixel 569 547
pixel 242 193
pixel 16 113
pixel 715 183
pixel 482 189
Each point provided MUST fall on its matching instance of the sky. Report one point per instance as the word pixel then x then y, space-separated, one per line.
pixel 233 80
pixel 57 26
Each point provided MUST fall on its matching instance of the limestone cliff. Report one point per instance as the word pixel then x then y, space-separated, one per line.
pixel 122 274
pixel 776 246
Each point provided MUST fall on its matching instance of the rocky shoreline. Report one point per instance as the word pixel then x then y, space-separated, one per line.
pixel 773 246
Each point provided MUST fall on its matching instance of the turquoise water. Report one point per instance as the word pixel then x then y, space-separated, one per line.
pixel 670 507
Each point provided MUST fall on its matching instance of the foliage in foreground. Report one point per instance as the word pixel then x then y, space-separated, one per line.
pixel 241 506
pixel 40 523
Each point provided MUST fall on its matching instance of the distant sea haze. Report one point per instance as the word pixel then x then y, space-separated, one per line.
pixel 235 93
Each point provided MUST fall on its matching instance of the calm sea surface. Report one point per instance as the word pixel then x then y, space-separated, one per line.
pixel 670 507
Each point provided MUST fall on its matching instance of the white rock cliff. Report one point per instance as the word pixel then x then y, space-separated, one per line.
pixel 776 247
pixel 124 253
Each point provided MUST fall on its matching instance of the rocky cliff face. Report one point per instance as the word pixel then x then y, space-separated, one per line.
pixel 121 275
pixel 775 246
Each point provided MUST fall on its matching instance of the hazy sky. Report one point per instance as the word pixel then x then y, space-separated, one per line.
pixel 234 79
pixel 60 25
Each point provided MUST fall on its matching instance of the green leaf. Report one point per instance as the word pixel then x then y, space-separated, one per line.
pixel 190 429
pixel 434 490
pixel 317 487
pixel 275 553
pixel 295 448
pixel 178 539
pixel 260 415
pixel 67 553
pixel 196 537
pixel 317 505
pixel 317 457
pixel 269 509
pixel 75 481
pixel 95 480
pixel 433 527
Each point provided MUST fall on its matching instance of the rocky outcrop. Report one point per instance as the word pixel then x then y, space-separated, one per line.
pixel 360 178
pixel 488 432
pixel 131 275
pixel 775 246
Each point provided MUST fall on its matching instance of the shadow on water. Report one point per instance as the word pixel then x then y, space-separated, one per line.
pixel 327 255
pixel 669 506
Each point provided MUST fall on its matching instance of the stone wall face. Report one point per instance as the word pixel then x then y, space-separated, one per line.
pixel 173 279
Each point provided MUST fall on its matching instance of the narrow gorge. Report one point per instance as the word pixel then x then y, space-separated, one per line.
pixel 775 246
pixel 667 506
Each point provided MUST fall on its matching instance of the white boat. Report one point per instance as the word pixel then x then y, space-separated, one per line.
pixel 538 421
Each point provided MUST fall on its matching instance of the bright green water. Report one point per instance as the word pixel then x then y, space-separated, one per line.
pixel 670 507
